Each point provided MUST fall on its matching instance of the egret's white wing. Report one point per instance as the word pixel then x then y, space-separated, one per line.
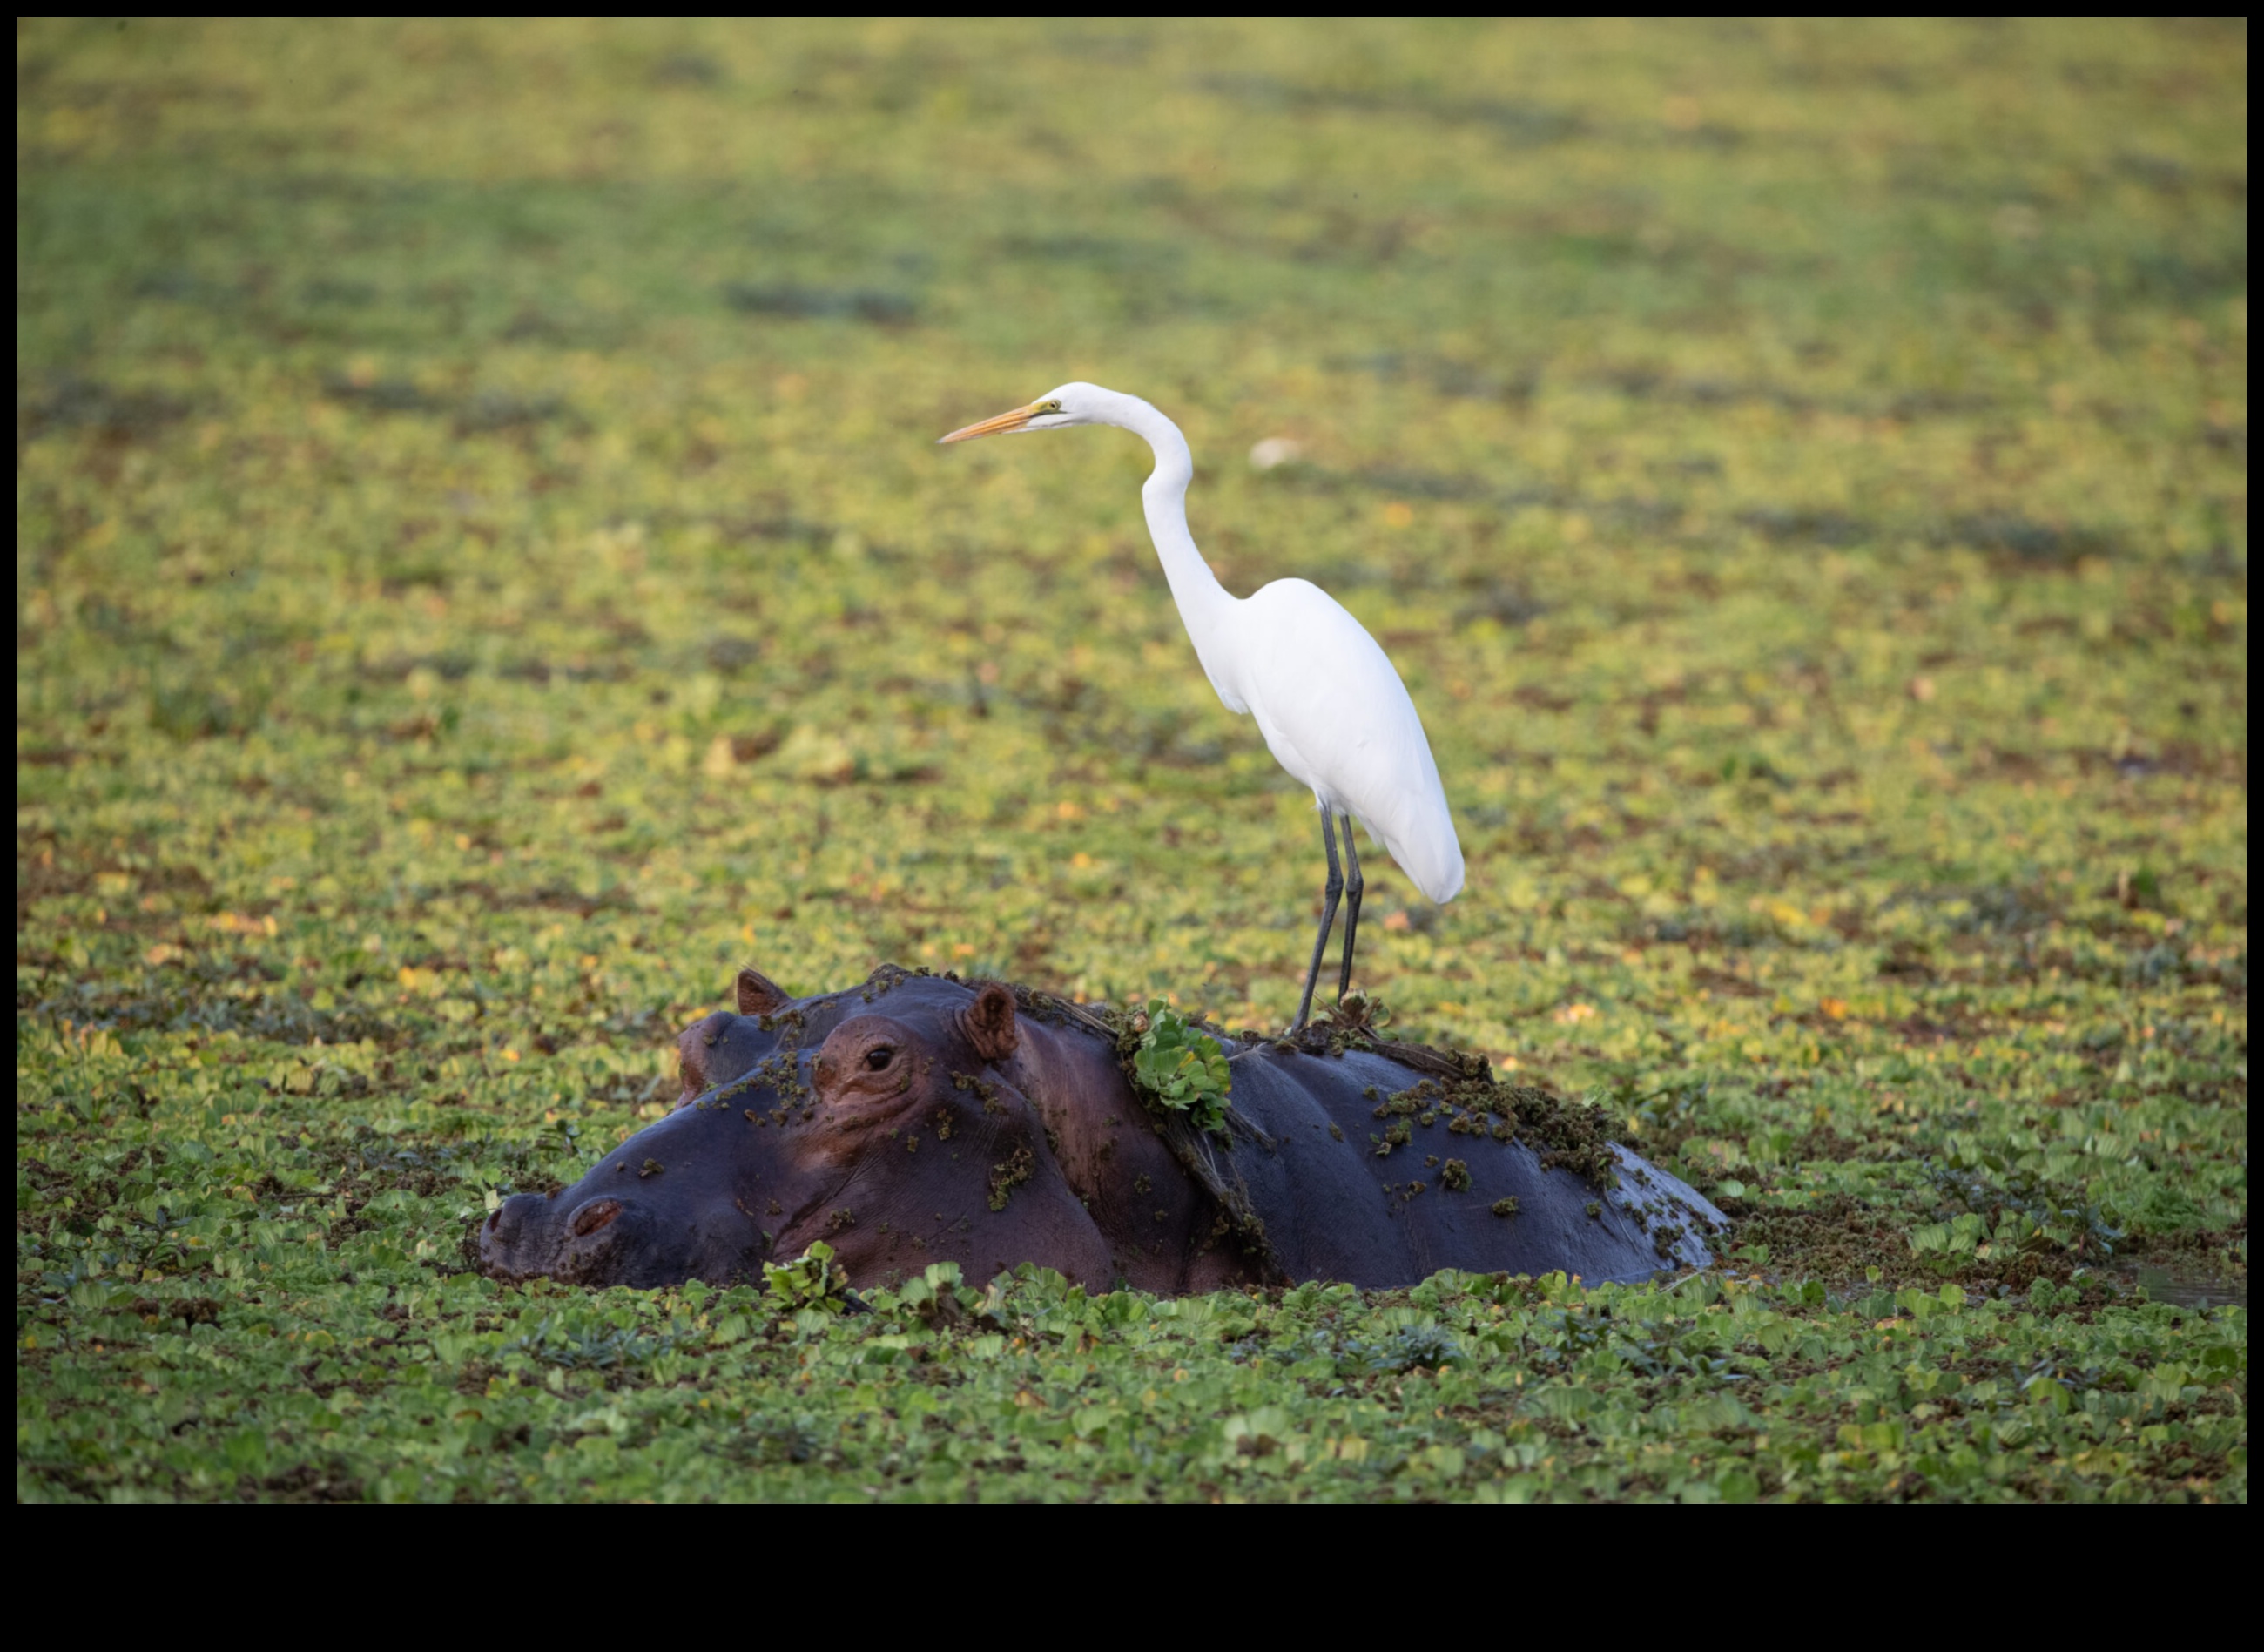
pixel 1336 716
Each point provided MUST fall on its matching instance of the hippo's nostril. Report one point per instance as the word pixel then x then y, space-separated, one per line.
pixel 596 1214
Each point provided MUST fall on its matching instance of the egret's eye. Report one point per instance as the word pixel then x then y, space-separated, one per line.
pixel 1049 407
pixel 879 1056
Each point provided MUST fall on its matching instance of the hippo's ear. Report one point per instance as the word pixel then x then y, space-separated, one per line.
pixel 990 1022
pixel 759 996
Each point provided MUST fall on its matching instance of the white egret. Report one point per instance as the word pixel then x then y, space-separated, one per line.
pixel 1326 697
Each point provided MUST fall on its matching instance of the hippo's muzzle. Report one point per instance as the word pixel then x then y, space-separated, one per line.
pixel 596 1241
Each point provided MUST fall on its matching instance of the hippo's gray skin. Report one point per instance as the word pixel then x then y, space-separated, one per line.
pixel 916 1119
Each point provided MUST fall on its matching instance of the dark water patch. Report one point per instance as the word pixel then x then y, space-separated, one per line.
pixel 2183 759
pixel 1162 738
pixel 1916 404
pixel 1634 512
pixel 480 413
pixel 192 711
pixel 383 395
pixel 874 306
pixel 1467 380
pixel 1405 482
pixel 2190 1290
pixel 531 325
pixel 1101 48
pixel 397 574
pixel 452 666
pixel 2159 962
pixel 688 70
pixel 347 294
pixel 1480 596
pixel 540 671
pixel 2156 172
pixel 500 409
pixel 2026 539
pixel 1779 524
pixel 800 530
pixel 1515 121
pixel 185 286
pixel 545 897
pixel 1425 484
pixel 1652 384
pixel 728 656
pixel 2009 536
pixel 42 875
pixel 277 1018
pixel 2160 275
pixel 1706 929
pixel 1645 383
pixel 1987 909
pixel 1099 252
pixel 89 404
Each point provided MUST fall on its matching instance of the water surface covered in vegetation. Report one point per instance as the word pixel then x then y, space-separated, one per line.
pixel 483 572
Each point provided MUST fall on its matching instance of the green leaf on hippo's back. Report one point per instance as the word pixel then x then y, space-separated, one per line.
pixel 1180 1068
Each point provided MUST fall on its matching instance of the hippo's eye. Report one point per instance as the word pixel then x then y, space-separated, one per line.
pixel 879 1056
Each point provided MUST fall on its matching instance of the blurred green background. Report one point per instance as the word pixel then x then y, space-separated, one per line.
pixel 483 572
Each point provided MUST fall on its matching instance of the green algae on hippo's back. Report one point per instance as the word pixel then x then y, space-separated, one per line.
pixel 941 1124
pixel 1471 1102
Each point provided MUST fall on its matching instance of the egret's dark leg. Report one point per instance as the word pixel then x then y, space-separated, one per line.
pixel 1329 894
pixel 1353 887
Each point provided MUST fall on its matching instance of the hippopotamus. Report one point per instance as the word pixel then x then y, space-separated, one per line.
pixel 918 1118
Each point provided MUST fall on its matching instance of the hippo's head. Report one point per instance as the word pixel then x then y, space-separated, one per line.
pixel 882 1120
pixel 670 1203
pixel 718 1048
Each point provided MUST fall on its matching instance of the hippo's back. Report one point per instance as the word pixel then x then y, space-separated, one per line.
pixel 1367 1171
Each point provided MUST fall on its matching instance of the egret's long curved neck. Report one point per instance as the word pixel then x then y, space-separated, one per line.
pixel 1206 606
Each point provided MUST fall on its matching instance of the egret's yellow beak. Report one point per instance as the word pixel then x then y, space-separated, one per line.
pixel 995 426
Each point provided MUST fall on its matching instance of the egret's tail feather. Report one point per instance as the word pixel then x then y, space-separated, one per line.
pixel 1433 858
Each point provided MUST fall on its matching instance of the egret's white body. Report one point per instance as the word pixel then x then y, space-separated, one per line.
pixel 1326 697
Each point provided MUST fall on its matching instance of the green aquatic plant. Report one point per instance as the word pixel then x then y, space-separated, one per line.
pixel 937 1298
pixel 810 1281
pixel 1178 1068
pixel 1409 1347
